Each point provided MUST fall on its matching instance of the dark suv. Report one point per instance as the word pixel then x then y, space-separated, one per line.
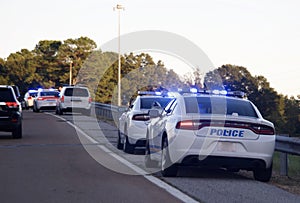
pixel 10 112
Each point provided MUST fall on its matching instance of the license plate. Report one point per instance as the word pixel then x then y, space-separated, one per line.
pixel 226 147
pixel 50 104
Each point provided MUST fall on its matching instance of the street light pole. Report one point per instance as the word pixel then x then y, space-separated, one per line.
pixel 119 8
pixel 70 80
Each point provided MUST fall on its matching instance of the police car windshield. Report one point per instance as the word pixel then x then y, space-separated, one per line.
pixel 219 105
pixel 146 103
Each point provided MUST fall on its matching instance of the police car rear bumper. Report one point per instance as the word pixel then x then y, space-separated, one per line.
pixel 137 133
pixel 252 152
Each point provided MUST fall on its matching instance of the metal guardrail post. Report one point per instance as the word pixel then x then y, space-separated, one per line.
pixel 284 164
pixel 285 145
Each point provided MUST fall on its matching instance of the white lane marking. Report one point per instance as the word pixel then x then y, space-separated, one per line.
pixel 170 189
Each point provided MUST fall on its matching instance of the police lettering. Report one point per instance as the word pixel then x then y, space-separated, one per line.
pixel 227 133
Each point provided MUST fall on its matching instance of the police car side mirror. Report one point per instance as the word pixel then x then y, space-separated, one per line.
pixel 153 113
pixel 122 109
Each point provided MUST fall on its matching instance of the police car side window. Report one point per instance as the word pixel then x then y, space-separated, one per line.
pixel 133 104
pixel 241 108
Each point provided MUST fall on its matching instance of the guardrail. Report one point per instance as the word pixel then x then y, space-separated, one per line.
pixel 106 111
pixel 285 145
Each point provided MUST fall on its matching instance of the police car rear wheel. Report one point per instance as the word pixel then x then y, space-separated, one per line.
pixel 168 169
pixel 263 174
pixel 127 147
pixel 56 111
pixel 119 144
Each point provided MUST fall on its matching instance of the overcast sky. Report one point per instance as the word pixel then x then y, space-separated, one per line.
pixel 261 35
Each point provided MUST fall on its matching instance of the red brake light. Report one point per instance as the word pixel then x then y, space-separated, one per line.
pixel 263 130
pixel 29 98
pixel 192 124
pixel 40 98
pixel 186 125
pixel 62 99
pixel 90 99
pixel 12 104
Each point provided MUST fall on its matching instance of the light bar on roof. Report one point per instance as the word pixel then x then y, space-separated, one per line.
pixel 193 90
pixel 239 94
pixel 219 92
pixel 149 93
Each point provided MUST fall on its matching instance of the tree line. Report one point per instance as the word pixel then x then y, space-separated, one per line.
pixel 48 65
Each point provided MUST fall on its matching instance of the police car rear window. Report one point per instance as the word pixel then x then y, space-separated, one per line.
pixel 33 94
pixel 78 92
pixel 50 93
pixel 146 103
pixel 223 106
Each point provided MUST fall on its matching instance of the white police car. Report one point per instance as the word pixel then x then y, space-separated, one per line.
pixel 210 130
pixel 132 123
pixel 45 99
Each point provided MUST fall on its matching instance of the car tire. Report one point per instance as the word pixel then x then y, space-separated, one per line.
pixel 127 147
pixel 263 174
pixel 56 110
pixel 17 133
pixel 168 169
pixel 149 163
pixel 119 143
pixel 35 109
pixel 59 111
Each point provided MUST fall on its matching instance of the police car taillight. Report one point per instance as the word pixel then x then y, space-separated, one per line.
pixel 141 117
pixel 185 125
pixel 190 125
pixel 263 130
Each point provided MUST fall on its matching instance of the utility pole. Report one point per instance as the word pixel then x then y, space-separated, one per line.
pixel 70 80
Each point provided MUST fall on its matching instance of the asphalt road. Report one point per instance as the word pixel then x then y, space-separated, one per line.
pixel 56 163
pixel 50 164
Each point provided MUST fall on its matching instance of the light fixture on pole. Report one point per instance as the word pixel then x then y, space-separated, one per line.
pixel 119 8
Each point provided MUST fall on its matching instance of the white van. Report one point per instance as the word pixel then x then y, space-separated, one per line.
pixel 74 98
